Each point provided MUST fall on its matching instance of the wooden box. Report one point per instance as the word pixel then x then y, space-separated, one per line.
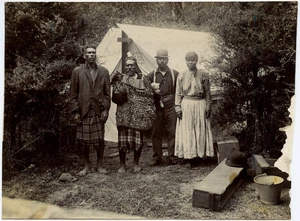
pixel 225 147
pixel 215 190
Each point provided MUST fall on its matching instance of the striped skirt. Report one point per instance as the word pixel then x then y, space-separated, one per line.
pixel 131 139
pixel 193 132
pixel 90 131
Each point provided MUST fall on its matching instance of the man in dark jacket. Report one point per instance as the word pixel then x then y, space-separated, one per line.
pixel 165 78
pixel 90 103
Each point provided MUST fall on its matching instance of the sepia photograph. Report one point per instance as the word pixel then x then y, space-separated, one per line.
pixel 149 110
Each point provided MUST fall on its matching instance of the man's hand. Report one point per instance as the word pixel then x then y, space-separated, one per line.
pixel 77 118
pixel 155 87
pixel 179 114
pixel 117 78
pixel 104 116
pixel 207 113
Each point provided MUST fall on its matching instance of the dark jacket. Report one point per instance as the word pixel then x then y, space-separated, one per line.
pixel 84 94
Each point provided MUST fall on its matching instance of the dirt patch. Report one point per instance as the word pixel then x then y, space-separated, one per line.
pixel 160 192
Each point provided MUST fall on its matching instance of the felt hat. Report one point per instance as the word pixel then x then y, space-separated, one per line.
pixel 161 53
pixel 237 159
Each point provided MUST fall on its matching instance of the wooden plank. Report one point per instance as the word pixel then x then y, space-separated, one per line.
pixel 229 192
pixel 261 162
pixel 271 161
pixel 124 51
pixel 259 165
pixel 220 139
pixel 127 40
pixel 221 177
pixel 216 189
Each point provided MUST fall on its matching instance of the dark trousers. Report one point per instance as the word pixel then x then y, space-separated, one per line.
pixel 165 119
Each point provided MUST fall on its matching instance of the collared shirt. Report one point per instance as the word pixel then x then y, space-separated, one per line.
pixel 163 72
pixel 189 83
pixel 93 71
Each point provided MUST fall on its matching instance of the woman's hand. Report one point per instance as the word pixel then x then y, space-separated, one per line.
pixel 207 112
pixel 179 114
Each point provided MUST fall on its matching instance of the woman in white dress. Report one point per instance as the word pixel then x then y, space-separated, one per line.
pixel 193 104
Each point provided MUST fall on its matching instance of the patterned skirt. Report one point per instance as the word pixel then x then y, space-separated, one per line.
pixel 90 132
pixel 131 139
pixel 193 132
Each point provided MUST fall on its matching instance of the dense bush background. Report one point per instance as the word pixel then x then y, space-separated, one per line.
pixel 44 41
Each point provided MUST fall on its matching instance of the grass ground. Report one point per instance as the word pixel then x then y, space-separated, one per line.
pixel 157 192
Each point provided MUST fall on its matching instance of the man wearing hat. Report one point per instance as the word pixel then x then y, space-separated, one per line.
pixel 164 98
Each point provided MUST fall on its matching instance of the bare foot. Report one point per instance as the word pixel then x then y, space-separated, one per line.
pixel 136 168
pixel 83 172
pixel 121 169
pixel 102 170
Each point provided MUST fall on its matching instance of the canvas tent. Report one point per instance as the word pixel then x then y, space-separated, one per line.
pixel 145 42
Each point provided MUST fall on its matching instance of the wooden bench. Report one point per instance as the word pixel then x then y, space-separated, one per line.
pixel 217 187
